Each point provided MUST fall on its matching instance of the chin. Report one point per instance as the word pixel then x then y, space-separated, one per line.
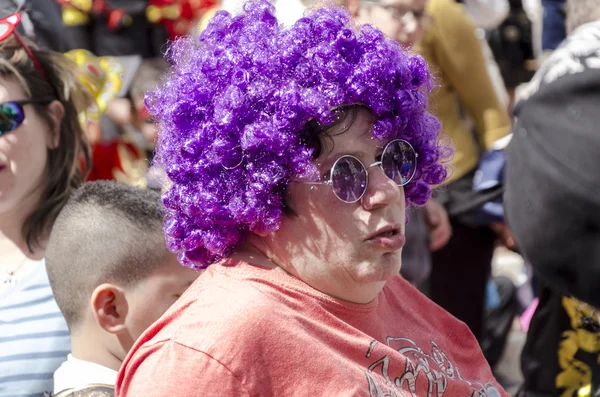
pixel 392 261
pixel 384 267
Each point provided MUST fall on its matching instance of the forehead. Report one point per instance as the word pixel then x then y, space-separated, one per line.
pixel 10 89
pixel 353 135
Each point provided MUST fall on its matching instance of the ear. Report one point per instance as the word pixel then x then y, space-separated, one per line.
pixel 56 111
pixel 353 6
pixel 110 308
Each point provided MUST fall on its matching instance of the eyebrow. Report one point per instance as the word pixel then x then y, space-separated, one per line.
pixel 332 157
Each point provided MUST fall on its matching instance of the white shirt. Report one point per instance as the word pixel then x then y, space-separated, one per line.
pixel 34 338
pixel 75 373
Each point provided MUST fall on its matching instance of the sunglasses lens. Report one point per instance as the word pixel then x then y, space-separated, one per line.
pixel 11 116
pixel 349 179
pixel 399 161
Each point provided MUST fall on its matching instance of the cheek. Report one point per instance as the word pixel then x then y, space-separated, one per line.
pixel 147 307
pixel 417 35
pixel 335 219
pixel 26 150
pixel 321 215
pixel 26 158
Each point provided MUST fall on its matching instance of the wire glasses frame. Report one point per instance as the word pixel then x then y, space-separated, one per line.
pixel 349 177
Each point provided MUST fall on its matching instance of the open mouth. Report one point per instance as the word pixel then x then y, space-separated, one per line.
pixel 388 233
pixel 389 238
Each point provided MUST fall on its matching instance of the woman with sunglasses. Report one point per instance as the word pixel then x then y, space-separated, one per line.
pixel 292 154
pixel 41 150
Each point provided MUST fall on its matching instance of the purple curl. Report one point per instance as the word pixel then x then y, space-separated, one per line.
pixel 234 105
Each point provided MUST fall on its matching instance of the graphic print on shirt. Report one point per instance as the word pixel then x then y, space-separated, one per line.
pixel 579 351
pixel 421 372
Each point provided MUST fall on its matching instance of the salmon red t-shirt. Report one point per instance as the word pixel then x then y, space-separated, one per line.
pixel 244 330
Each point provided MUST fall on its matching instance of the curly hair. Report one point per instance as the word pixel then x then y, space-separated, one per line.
pixel 234 109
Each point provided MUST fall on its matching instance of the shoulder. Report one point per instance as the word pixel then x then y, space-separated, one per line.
pixel 219 311
pixel 449 16
pixel 449 25
pixel 217 328
pixel 437 8
pixel 170 369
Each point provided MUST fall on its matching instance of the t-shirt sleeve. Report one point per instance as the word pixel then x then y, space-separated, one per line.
pixel 174 370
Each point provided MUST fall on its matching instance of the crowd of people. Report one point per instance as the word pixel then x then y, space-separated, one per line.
pixel 292 197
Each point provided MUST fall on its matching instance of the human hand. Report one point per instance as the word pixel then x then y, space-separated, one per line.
pixel 506 237
pixel 438 223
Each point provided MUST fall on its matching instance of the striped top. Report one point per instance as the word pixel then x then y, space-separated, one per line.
pixel 34 339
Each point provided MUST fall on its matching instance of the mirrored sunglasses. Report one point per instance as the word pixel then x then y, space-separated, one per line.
pixel 12 113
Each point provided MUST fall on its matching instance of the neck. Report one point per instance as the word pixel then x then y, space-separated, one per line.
pixel 96 352
pixel 256 251
pixel 252 254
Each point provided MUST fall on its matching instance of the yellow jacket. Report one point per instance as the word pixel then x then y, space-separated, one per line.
pixel 454 53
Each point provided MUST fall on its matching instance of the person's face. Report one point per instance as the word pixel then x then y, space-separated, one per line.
pixel 402 20
pixel 144 122
pixel 23 151
pixel 150 298
pixel 337 247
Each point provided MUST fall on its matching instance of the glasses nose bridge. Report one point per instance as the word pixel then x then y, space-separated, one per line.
pixel 376 164
pixel 379 190
pixel 380 165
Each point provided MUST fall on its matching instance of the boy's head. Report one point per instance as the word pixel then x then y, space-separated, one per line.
pixel 108 265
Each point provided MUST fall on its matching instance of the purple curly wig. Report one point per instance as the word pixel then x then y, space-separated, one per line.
pixel 233 110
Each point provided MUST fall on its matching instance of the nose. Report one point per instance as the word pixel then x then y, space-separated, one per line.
pixel 381 191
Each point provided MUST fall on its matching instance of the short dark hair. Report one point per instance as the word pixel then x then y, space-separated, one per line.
pixel 108 232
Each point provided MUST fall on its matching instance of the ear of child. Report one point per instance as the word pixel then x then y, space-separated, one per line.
pixel 110 308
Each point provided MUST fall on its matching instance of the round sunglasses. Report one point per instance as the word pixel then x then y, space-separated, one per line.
pixel 349 177
pixel 12 113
